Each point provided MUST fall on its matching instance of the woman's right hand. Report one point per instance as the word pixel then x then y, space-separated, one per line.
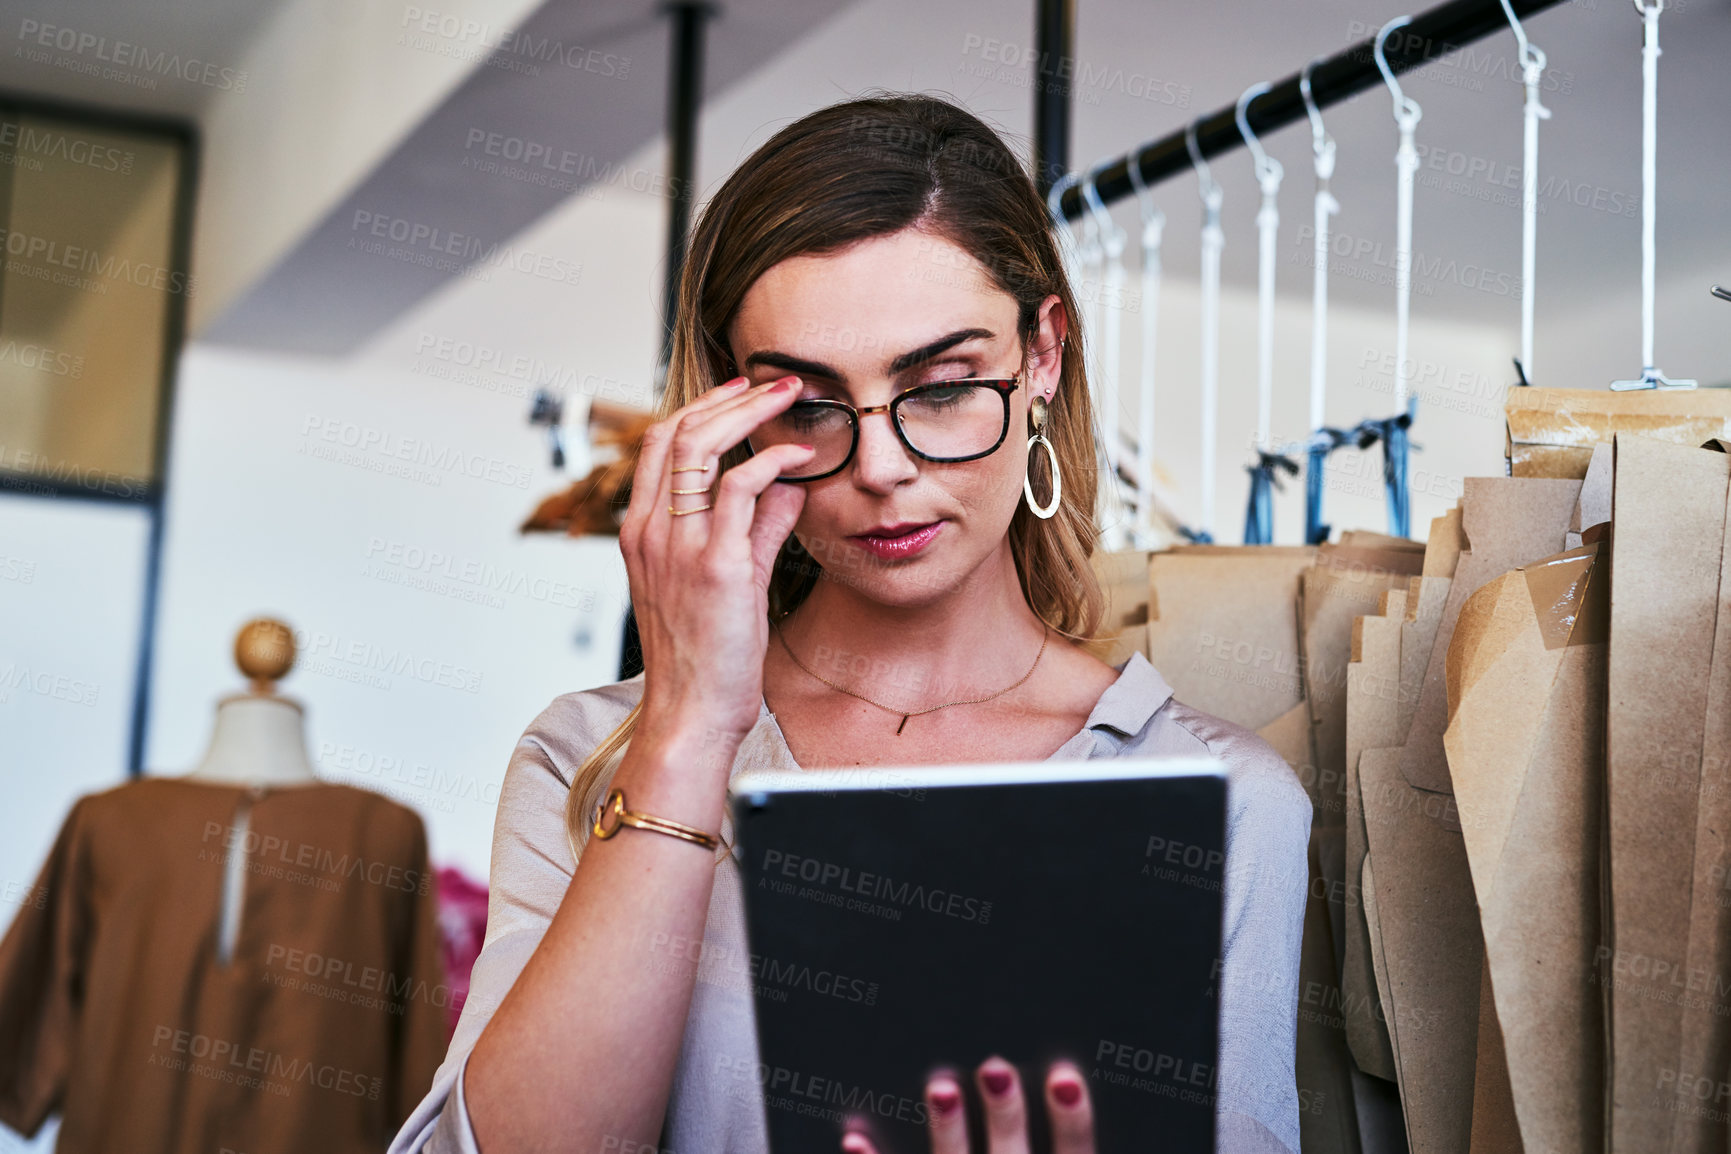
pixel 700 582
pixel 1069 1107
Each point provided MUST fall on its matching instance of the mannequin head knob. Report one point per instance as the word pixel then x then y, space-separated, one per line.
pixel 265 651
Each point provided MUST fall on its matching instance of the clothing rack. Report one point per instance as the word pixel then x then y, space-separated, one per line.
pixel 1427 37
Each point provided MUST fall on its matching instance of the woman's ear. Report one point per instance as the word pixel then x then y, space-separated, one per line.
pixel 1047 347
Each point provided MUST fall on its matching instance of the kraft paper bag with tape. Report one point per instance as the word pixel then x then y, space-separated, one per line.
pixel 1526 688
pixel 1507 522
pixel 1552 432
pixel 1668 542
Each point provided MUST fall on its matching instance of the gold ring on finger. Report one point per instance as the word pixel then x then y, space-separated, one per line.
pixel 687 512
pixel 687 492
pixel 690 469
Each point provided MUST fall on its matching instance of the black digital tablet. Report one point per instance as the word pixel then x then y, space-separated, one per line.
pixel 1036 911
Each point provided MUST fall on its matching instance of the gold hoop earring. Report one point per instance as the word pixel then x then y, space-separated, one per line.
pixel 1037 414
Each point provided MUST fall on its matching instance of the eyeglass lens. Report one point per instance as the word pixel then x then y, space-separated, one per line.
pixel 943 422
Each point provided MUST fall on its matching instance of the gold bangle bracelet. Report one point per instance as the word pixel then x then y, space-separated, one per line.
pixel 615 804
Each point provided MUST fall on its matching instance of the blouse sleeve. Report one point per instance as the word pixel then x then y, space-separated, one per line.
pixel 41 973
pixel 1267 876
pixel 1267 871
pixel 531 869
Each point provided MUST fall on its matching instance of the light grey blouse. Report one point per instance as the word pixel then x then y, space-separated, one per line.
pixel 1268 829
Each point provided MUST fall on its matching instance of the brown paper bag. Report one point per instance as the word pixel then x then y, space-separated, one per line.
pixel 1526 679
pixel 1508 521
pixel 1429 929
pixel 1331 595
pixel 1381 1117
pixel 1706 1043
pixel 1372 721
pixel 1495 1130
pixel 1668 526
pixel 1223 632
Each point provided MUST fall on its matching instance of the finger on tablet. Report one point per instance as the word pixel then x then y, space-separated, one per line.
pixel 1006 1111
pixel 1071 1109
pixel 945 1118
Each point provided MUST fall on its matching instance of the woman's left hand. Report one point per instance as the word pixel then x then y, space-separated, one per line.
pixel 1000 1088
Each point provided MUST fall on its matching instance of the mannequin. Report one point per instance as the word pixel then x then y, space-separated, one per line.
pixel 181 911
pixel 258 740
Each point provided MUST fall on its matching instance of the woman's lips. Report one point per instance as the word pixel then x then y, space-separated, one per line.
pixel 906 545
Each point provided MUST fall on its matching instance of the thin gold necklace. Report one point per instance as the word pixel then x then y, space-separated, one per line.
pixel 1046 635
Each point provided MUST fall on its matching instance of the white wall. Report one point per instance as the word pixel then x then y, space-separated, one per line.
pixel 376 513
pixel 71 585
pixel 1458 375
pixel 71 588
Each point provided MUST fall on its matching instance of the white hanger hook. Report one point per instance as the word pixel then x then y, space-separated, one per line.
pixel 1112 236
pixel 1267 168
pixel 1531 57
pixel 1151 215
pixel 1096 206
pixel 1406 109
pixel 1059 187
pixel 1320 140
pixel 1206 184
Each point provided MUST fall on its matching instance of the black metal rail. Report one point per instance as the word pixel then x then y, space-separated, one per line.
pixel 1427 37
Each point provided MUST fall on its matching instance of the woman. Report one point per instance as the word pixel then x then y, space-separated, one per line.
pixel 919 612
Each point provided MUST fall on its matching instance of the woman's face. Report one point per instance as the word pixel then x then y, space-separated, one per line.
pixel 862 326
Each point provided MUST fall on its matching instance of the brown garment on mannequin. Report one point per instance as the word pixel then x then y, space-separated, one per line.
pixel 319 1033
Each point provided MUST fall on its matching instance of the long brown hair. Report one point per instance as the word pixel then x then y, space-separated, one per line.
pixel 854 171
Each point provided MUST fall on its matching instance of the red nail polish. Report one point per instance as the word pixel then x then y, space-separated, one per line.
pixel 945 1099
pixel 997 1082
pixel 1067 1093
pixel 783 386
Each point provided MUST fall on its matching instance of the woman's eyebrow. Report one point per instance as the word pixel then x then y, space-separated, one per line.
pixel 805 368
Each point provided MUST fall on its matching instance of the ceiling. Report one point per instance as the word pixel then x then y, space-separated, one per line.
pixel 158 32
